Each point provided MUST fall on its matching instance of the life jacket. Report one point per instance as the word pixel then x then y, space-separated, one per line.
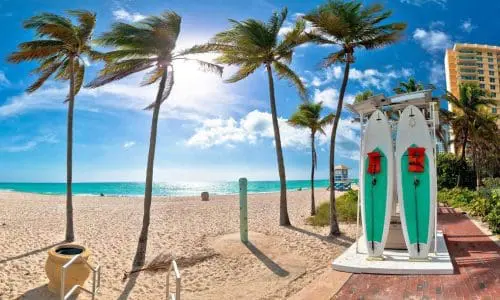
pixel 416 159
pixel 374 162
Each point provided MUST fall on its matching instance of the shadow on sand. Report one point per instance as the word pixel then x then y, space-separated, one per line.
pixel 41 292
pixel 269 263
pixel 29 253
pixel 341 240
pixel 131 280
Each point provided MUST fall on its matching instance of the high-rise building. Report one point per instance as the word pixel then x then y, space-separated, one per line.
pixel 474 63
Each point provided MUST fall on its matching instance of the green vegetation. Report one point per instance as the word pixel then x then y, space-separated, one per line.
pixel 346 210
pixel 363 96
pixel 475 129
pixel 309 116
pixel 484 204
pixel 349 26
pixel 411 86
pixel 449 168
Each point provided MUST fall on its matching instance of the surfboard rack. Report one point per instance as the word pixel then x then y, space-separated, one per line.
pixel 393 107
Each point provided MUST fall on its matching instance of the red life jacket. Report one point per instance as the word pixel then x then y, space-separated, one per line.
pixel 374 162
pixel 416 159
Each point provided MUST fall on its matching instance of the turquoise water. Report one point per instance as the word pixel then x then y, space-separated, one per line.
pixel 159 189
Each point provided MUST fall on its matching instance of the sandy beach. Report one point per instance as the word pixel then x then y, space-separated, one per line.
pixel 203 236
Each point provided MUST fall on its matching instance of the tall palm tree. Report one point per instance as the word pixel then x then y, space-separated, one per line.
pixel 410 86
pixel 362 96
pixel 466 108
pixel 349 25
pixel 252 44
pixel 465 114
pixel 59 49
pixel 484 139
pixel 309 116
pixel 146 45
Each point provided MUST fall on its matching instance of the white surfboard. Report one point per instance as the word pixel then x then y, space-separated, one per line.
pixel 416 181
pixel 376 182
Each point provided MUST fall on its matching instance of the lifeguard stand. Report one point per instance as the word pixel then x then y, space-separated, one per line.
pixel 354 259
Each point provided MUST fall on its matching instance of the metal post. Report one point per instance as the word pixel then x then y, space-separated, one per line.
pixel 243 210
pixel 63 277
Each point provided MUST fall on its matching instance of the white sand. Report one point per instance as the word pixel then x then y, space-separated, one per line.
pixel 202 235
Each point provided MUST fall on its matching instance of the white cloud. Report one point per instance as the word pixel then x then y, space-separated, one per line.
pixel 128 144
pixel 432 40
pixel 330 97
pixel 441 3
pixel 326 76
pixel 371 78
pixel 3 79
pixel 123 15
pixel 28 144
pixel 436 75
pixel 436 24
pixel 211 97
pixel 256 126
pixel 467 26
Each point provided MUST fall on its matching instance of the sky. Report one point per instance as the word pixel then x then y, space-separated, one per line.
pixel 210 130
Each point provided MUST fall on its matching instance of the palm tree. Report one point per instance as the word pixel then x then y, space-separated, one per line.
pixel 411 86
pixel 484 139
pixel 349 25
pixel 60 48
pixel 362 96
pixel 466 107
pixel 146 45
pixel 249 45
pixel 309 116
pixel 465 114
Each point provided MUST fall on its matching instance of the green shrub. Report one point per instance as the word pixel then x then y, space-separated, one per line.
pixel 493 216
pixel 484 204
pixel 449 167
pixel 457 197
pixel 346 210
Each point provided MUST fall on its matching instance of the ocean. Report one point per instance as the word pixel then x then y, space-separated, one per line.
pixel 159 189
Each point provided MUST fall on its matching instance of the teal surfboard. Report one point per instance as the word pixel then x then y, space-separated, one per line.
pixel 376 183
pixel 416 181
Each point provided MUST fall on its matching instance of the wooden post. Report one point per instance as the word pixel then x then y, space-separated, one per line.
pixel 243 210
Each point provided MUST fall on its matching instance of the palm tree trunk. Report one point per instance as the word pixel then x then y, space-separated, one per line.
pixel 334 225
pixel 70 234
pixel 462 155
pixel 313 166
pixel 140 254
pixel 284 220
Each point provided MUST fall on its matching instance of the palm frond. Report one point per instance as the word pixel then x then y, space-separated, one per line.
pixel 116 71
pixel 243 72
pixel 49 70
pixel 169 84
pixel 284 71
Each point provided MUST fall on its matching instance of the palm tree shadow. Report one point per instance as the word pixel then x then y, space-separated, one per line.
pixel 29 253
pixel 41 292
pixel 269 263
pixel 132 279
pixel 341 240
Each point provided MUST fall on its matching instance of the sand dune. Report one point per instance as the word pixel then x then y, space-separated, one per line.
pixel 202 235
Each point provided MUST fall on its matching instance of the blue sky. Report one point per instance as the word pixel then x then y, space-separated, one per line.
pixel 209 130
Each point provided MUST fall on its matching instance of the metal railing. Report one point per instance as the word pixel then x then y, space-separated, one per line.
pixel 96 278
pixel 177 295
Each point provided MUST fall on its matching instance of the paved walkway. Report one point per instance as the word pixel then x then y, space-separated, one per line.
pixel 476 259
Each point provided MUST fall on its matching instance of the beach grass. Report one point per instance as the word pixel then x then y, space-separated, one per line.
pixel 346 210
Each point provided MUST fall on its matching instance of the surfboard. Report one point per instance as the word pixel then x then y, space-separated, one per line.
pixel 376 182
pixel 416 181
